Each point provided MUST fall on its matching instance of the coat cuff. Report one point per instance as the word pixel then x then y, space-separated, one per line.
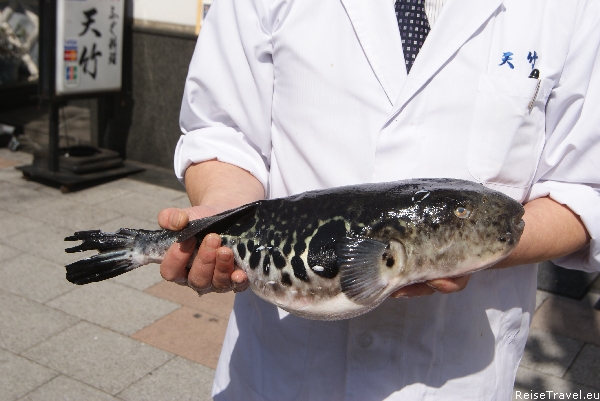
pixel 224 144
pixel 584 201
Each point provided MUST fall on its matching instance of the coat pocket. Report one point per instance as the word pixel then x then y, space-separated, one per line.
pixel 506 138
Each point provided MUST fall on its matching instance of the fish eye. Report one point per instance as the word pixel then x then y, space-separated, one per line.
pixel 462 212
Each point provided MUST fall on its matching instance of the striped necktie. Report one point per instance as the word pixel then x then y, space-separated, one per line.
pixel 414 28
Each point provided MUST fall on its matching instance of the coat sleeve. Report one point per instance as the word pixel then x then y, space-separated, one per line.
pixel 226 107
pixel 569 168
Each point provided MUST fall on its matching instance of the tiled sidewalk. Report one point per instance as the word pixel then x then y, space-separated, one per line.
pixel 137 337
pixel 134 337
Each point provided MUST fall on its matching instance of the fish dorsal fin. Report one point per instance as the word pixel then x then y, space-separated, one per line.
pixel 217 223
pixel 359 261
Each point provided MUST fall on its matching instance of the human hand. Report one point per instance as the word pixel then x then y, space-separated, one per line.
pixel 442 285
pixel 213 267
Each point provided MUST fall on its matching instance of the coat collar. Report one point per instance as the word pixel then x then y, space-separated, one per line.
pixel 376 27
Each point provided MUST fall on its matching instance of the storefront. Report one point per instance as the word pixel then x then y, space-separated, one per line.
pixel 156 55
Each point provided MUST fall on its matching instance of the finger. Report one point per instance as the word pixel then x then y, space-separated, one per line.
pixel 449 285
pixel 201 273
pixel 223 269
pixel 173 266
pixel 240 281
pixel 173 219
pixel 413 290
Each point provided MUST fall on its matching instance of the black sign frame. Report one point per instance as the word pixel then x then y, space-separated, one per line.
pixel 48 65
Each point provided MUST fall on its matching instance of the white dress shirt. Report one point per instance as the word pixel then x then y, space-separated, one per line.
pixel 433 8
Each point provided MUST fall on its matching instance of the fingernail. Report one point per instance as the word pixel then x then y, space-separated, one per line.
pixel 176 219
pixel 224 256
pixel 213 241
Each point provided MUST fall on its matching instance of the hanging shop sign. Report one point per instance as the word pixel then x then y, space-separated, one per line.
pixel 89 45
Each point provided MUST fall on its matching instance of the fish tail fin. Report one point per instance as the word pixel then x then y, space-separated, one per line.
pixel 118 254
pixel 127 249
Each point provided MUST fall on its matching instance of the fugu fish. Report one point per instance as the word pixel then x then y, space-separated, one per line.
pixel 335 253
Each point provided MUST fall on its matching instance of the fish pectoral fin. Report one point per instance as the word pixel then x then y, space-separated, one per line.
pixel 359 261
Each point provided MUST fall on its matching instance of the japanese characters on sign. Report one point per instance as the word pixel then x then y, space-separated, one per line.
pixel 89 43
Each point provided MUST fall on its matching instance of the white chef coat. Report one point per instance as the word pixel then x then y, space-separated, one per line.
pixel 308 94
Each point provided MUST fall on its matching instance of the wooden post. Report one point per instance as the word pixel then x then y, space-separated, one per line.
pixel 199 14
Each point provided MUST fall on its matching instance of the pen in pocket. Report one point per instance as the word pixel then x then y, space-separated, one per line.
pixel 535 74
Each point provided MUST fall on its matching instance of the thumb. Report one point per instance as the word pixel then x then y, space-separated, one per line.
pixel 173 219
pixel 449 285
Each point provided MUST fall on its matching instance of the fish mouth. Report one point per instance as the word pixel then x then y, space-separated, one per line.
pixel 514 230
pixel 518 225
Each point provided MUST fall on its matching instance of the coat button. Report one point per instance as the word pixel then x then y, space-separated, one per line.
pixel 365 340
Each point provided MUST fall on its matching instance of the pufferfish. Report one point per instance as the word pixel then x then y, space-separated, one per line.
pixel 335 253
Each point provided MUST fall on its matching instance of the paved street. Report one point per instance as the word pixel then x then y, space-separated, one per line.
pixel 136 337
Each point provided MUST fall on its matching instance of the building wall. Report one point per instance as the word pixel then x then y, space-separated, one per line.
pixel 180 12
pixel 164 36
pixel 179 15
pixel 160 65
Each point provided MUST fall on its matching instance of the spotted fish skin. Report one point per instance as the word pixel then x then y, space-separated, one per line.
pixel 337 253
